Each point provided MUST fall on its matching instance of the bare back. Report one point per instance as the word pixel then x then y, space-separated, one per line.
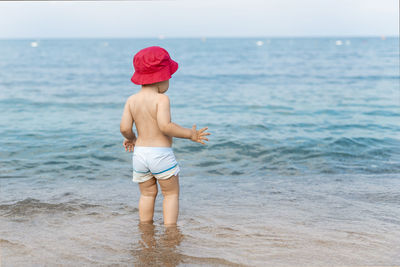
pixel 143 107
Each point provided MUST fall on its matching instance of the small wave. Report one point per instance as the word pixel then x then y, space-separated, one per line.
pixel 383 113
pixel 306 147
pixel 301 125
pixel 8 243
pixel 232 144
pixel 128 208
pixel 108 145
pixel 52 162
pixel 326 155
pixel 23 102
pixel 233 76
pixel 371 77
pixel 348 142
pixel 106 158
pixel 74 167
pixel 190 148
pixel 237 173
pixel 12 176
pixel 246 77
pixel 257 127
pixel 271 107
pixel 79 146
pixel 69 157
pixel 369 126
pixel 31 206
pixel 215 172
pixel 331 112
pixel 208 163
pixel 377 197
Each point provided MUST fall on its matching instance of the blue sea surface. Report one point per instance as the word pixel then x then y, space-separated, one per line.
pixel 302 166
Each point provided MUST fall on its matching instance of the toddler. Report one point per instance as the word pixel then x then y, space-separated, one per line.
pixel 153 157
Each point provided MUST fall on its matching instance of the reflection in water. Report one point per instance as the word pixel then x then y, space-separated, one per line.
pixel 161 252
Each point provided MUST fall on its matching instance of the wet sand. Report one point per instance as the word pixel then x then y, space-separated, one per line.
pixel 72 229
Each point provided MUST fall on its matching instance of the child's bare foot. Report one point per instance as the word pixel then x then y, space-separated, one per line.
pixel 198 135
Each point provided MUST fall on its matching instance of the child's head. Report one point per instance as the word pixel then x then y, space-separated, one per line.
pixel 153 66
pixel 162 86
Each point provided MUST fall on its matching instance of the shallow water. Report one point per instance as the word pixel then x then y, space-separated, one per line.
pixel 302 167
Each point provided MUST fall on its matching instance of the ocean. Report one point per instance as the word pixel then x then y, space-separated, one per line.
pixel 302 167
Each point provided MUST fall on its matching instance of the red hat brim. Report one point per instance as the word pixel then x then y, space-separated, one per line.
pixel 159 76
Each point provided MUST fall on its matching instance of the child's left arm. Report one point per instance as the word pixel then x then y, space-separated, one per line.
pixel 126 126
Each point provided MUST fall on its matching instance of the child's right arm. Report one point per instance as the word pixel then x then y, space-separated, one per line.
pixel 172 129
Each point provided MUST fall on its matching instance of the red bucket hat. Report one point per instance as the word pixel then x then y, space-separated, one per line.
pixel 153 64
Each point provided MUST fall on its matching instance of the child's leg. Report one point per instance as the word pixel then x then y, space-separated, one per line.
pixel 170 191
pixel 148 193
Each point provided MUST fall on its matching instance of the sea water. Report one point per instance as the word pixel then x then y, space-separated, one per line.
pixel 302 167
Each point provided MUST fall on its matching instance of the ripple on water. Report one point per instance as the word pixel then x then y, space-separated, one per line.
pixel 30 207
pixel 106 158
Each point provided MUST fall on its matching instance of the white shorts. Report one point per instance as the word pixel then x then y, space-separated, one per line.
pixel 149 161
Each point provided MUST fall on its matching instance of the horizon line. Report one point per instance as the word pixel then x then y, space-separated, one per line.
pixel 203 37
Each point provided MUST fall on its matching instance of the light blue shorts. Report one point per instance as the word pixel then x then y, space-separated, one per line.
pixel 149 162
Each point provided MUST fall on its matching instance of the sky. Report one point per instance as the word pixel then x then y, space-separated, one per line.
pixel 204 18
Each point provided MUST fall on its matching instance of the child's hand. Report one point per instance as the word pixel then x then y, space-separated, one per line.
pixel 198 136
pixel 129 144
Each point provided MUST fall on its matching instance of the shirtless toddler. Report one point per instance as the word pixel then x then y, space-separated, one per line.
pixel 153 157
